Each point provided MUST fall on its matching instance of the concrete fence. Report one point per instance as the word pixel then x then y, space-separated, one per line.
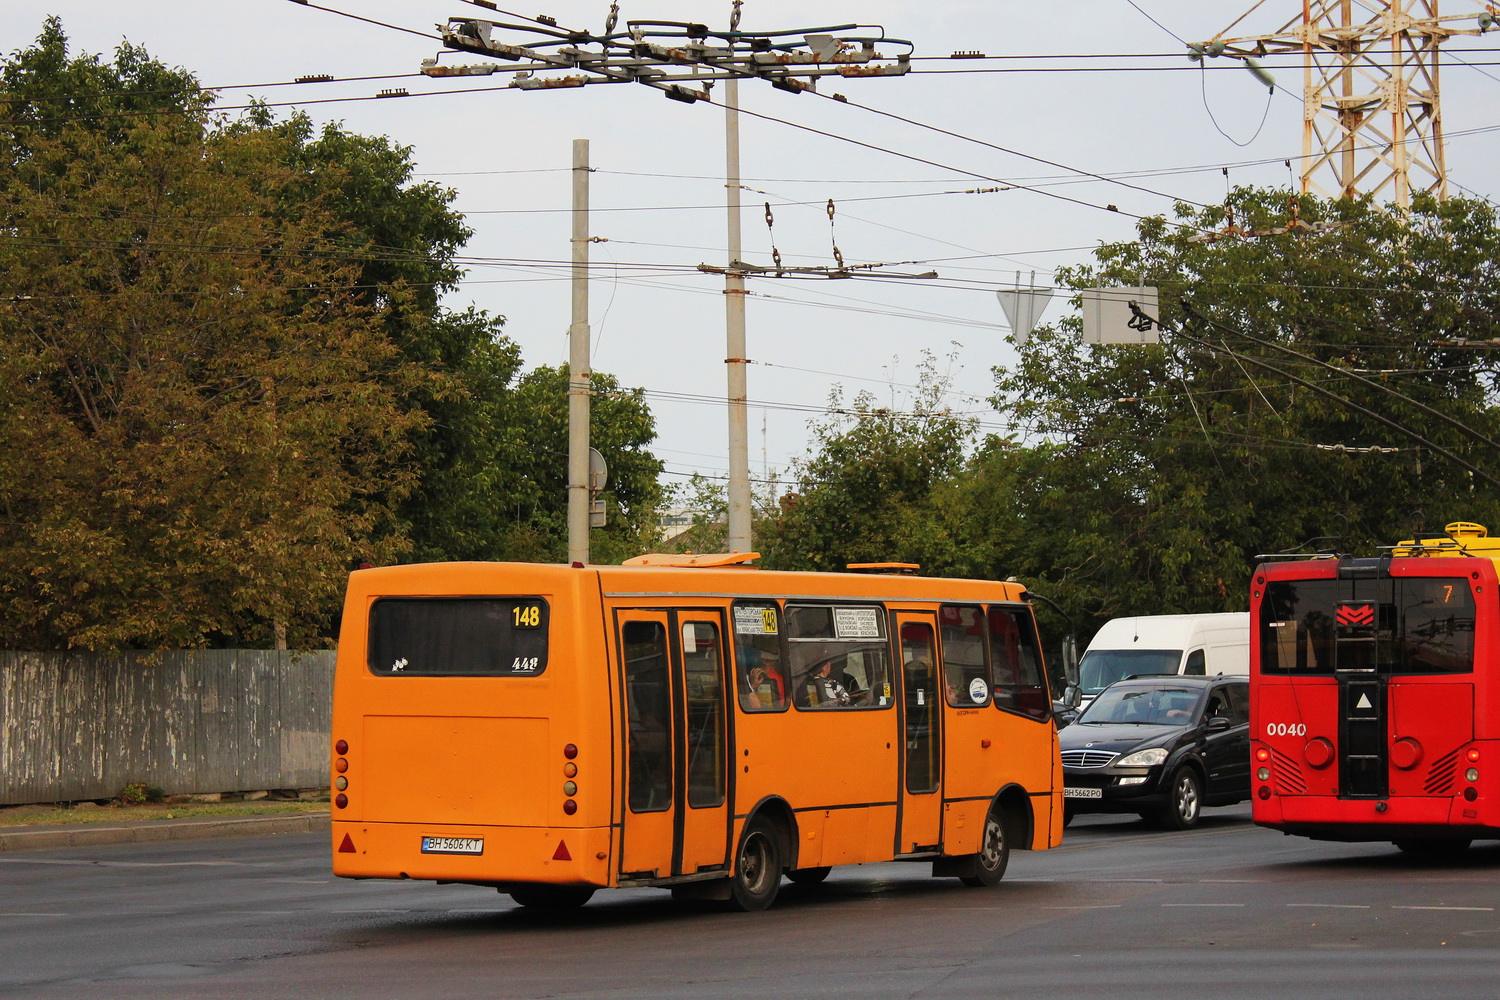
pixel 77 726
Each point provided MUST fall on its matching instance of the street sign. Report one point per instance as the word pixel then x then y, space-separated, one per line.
pixel 1120 315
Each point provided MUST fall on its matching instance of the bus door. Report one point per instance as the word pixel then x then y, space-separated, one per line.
pixel 922 698
pixel 1362 694
pixel 676 816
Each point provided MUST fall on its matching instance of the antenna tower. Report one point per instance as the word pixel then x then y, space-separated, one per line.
pixel 1372 121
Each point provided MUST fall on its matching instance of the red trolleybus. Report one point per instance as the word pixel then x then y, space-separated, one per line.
pixel 687 722
pixel 1375 694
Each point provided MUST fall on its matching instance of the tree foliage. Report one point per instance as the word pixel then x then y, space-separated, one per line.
pixel 1148 479
pixel 1164 471
pixel 873 487
pixel 201 421
pixel 231 375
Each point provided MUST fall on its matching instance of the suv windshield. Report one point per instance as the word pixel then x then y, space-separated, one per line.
pixel 1144 706
pixel 1100 668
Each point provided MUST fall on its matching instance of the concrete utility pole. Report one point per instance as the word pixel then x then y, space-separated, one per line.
pixel 578 365
pixel 682 59
pixel 1372 110
pixel 738 493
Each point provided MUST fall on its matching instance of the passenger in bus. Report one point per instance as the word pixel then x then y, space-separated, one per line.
pixel 826 691
pixel 765 685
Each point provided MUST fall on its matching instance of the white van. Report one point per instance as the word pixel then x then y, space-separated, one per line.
pixel 1190 645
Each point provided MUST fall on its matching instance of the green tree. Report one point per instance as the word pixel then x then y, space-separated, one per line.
pixel 620 427
pixel 202 426
pixel 875 486
pixel 1155 475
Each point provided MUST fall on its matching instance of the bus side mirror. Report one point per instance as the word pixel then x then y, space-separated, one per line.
pixel 1072 696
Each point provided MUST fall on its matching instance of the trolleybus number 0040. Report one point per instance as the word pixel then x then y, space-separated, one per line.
pixel 1286 729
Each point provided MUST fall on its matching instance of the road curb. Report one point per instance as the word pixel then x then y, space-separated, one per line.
pixel 150 831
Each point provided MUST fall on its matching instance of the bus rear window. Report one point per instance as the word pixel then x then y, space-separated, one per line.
pixel 1402 625
pixel 468 636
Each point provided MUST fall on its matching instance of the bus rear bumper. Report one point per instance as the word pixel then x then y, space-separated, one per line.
pixel 480 855
pixel 1327 817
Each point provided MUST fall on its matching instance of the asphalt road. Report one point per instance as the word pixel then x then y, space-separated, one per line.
pixel 1120 912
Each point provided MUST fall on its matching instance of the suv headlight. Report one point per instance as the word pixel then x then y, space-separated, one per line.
pixel 1143 758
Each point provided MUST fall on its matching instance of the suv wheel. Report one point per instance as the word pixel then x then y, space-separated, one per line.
pixel 1184 800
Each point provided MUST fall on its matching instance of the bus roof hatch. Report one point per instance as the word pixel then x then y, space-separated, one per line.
pixel 694 559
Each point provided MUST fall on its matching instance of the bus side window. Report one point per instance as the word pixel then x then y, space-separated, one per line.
pixel 966 675
pixel 1019 683
pixel 760 671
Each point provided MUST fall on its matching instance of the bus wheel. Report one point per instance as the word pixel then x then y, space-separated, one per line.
pixel 988 866
pixel 1184 801
pixel 757 870
pixel 809 876
pixel 553 897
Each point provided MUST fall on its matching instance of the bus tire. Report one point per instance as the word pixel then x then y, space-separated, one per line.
pixel 1184 800
pixel 809 876
pixel 757 868
pixel 988 866
pixel 553 897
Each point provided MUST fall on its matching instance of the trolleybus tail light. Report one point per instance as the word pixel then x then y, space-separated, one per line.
pixel 1472 774
pixel 1473 755
pixel 570 807
pixel 1264 774
pixel 570 751
pixel 1406 753
pixel 1318 752
pixel 341 800
pixel 1262 754
pixel 1263 793
pixel 341 747
pixel 1470 794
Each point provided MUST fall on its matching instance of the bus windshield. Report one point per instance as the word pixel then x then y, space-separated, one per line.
pixel 1102 667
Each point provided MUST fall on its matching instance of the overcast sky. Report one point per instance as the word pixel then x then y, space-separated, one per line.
pixel 657 191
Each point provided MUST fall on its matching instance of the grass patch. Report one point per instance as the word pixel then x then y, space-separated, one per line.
pixel 89 812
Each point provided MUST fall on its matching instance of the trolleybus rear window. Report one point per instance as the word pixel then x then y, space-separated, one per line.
pixel 487 636
pixel 1400 625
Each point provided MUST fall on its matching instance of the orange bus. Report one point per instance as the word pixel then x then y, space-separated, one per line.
pixel 687 722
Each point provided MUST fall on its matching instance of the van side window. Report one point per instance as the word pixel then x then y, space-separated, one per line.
pixel 1194 666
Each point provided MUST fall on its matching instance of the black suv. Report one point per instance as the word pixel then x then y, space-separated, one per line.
pixel 1163 747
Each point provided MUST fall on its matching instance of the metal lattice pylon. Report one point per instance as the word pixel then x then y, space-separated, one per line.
pixel 1372 118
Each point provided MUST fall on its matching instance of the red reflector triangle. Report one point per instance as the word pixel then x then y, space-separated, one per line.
pixel 347 847
pixel 561 854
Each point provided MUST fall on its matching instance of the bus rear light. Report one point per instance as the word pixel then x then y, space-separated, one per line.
pixel 341 747
pixel 570 807
pixel 1406 753
pixel 1263 793
pixel 1470 794
pixel 569 788
pixel 341 800
pixel 1318 752
pixel 1473 755
pixel 341 782
pixel 1472 774
pixel 1264 774
pixel 570 751
pixel 1262 754
pixel 570 770
pixel 341 765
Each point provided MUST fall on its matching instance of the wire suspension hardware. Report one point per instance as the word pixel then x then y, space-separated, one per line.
pixel 679 58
